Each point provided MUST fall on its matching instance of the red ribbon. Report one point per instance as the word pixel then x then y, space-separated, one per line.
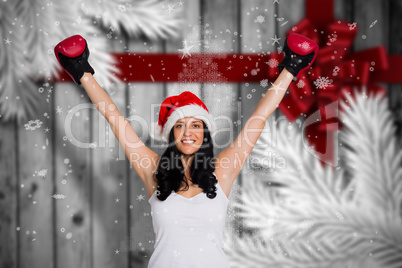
pixel 209 68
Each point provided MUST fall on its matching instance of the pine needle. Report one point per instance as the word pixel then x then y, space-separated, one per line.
pixel 317 217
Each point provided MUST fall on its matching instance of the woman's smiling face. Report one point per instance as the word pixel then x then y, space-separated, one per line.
pixel 189 135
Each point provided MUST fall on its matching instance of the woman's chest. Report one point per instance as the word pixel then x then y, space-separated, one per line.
pixel 193 213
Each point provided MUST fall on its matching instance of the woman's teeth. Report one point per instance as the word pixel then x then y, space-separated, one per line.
pixel 188 141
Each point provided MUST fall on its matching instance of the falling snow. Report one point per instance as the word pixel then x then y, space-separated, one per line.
pixel 186 49
pixel 322 82
pixel 42 173
pixel 305 45
pixel 59 196
pixel 201 64
pixel 333 37
pixel 352 26
pixel 301 84
pixel 260 19
pixel 275 40
pixel 277 87
pixel 336 71
pixel 59 110
pixel 33 124
pixel 140 197
pixel 273 63
pixel 264 83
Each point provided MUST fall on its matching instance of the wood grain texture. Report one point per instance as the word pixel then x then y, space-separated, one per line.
pixel 191 33
pixel 73 177
pixel 292 11
pixel 221 35
pixel 343 10
pixel 109 172
pixel 395 47
pixel 365 13
pixel 256 38
pixel 144 100
pixel 35 149
pixel 9 196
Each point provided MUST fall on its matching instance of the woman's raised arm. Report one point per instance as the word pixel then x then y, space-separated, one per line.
pixel 132 145
pixel 300 52
pixel 72 54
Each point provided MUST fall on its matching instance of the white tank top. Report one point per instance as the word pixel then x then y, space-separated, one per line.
pixel 189 231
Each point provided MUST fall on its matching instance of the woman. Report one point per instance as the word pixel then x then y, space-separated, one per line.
pixel 188 188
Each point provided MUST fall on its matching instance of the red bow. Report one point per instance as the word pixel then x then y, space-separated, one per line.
pixel 335 72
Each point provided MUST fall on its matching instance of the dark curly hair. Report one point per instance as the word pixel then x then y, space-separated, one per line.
pixel 170 171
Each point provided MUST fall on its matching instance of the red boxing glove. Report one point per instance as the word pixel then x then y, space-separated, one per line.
pixel 72 54
pixel 300 53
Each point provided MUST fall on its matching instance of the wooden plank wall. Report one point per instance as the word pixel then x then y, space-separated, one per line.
pixel 395 47
pixel 104 220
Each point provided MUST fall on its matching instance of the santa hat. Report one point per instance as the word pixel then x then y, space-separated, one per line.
pixel 176 107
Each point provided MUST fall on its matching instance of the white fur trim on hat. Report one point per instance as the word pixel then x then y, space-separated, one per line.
pixel 192 110
pixel 155 131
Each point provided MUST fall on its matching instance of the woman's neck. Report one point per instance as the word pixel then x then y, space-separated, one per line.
pixel 186 161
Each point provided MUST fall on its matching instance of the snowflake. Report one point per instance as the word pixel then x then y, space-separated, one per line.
pixel 204 60
pixel 188 75
pixel 305 45
pixel 170 8
pixel 122 8
pixel 186 49
pixel 264 83
pixel 332 37
pixel 42 173
pixel 33 124
pixel 301 84
pixel 59 110
pixel 254 71
pixel 277 87
pixel 352 25
pixel 140 197
pixel 194 37
pixel 339 215
pixel 58 196
pixel 214 76
pixel 214 66
pixel 273 63
pixel 231 213
pixel 176 253
pixel 306 224
pixel 211 236
pixel 336 69
pixel 7 41
pixel 322 82
pixel 260 19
